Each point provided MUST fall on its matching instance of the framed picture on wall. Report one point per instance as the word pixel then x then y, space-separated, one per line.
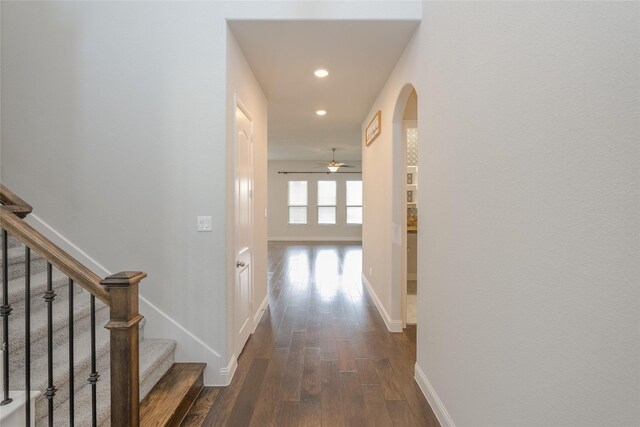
pixel 373 130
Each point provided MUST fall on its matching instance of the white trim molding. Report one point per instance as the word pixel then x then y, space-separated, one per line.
pixel 432 397
pixel 226 373
pixel 258 315
pixel 393 325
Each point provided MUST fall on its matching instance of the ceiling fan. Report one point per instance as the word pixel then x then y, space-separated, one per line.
pixel 333 165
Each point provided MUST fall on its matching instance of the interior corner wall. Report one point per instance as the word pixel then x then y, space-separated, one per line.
pixel 529 200
pixel 279 227
pixel 242 85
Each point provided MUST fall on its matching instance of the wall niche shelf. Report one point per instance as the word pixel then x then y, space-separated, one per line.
pixel 412 198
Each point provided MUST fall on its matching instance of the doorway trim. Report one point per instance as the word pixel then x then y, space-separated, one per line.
pixel 399 214
pixel 237 348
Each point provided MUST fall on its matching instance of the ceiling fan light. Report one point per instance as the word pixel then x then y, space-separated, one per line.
pixel 333 168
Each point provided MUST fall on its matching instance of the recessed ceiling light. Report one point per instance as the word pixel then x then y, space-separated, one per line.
pixel 321 73
pixel 321 112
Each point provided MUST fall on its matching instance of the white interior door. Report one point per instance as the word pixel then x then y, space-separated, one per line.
pixel 243 225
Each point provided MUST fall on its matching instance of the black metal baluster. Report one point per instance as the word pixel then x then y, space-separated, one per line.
pixel 49 296
pixel 71 366
pixel 5 310
pixel 93 377
pixel 27 334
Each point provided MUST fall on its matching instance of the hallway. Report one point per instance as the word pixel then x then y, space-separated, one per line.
pixel 321 355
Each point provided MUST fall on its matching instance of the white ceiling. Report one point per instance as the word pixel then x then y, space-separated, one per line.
pixel 359 56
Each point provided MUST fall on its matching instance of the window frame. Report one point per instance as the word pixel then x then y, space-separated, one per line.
pixel 306 205
pixel 334 206
pixel 347 205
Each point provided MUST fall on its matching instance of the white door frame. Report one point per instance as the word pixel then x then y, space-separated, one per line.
pixel 237 346
pixel 399 209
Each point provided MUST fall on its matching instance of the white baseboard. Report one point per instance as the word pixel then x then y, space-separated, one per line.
pixel 226 373
pixel 259 312
pixel 432 397
pixel 190 348
pixel 392 325
pixel 316 239
pixel 159 324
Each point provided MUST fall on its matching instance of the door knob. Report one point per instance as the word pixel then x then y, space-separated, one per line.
pixel 240 264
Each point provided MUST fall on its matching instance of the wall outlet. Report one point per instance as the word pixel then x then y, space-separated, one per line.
pixel 205 223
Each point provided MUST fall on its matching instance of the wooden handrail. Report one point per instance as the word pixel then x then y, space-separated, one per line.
pixel 14 203
pixel 11 221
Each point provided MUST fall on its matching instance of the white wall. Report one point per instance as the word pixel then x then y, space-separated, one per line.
pixel 529 200
pixel 115 127
pixel 279 227
pixel 108 128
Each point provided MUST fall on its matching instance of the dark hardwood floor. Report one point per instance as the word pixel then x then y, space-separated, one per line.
pixel 321 355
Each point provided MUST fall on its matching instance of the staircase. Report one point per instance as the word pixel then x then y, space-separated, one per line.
pixel 156 356
pixel 74 362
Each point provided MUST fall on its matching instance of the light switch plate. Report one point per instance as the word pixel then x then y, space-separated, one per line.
pixel 205 223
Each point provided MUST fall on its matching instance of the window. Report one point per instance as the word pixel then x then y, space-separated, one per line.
pixel 354 202
pixel 326 202
pixel 297 202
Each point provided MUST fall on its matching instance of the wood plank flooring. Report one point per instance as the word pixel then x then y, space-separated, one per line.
pixel 321 355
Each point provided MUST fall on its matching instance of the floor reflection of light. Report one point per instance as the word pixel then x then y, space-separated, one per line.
pixel 298 267
pixel 352 268
pixel 326 273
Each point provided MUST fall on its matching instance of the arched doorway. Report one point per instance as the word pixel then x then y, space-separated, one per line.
pixel 405 213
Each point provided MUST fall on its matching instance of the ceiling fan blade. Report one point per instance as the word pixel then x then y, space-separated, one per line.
pixel 347 166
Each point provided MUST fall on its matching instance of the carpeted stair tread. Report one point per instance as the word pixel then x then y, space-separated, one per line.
pixel 82 364
pixel 156 357
pixel 16 257
pixel 82 367
pixel 38 286
pixel 12 242
pixel 60 309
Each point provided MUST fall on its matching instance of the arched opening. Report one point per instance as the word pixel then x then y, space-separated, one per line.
pixel 405 202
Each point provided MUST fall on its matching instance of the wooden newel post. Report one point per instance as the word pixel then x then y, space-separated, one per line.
pixel 125 360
